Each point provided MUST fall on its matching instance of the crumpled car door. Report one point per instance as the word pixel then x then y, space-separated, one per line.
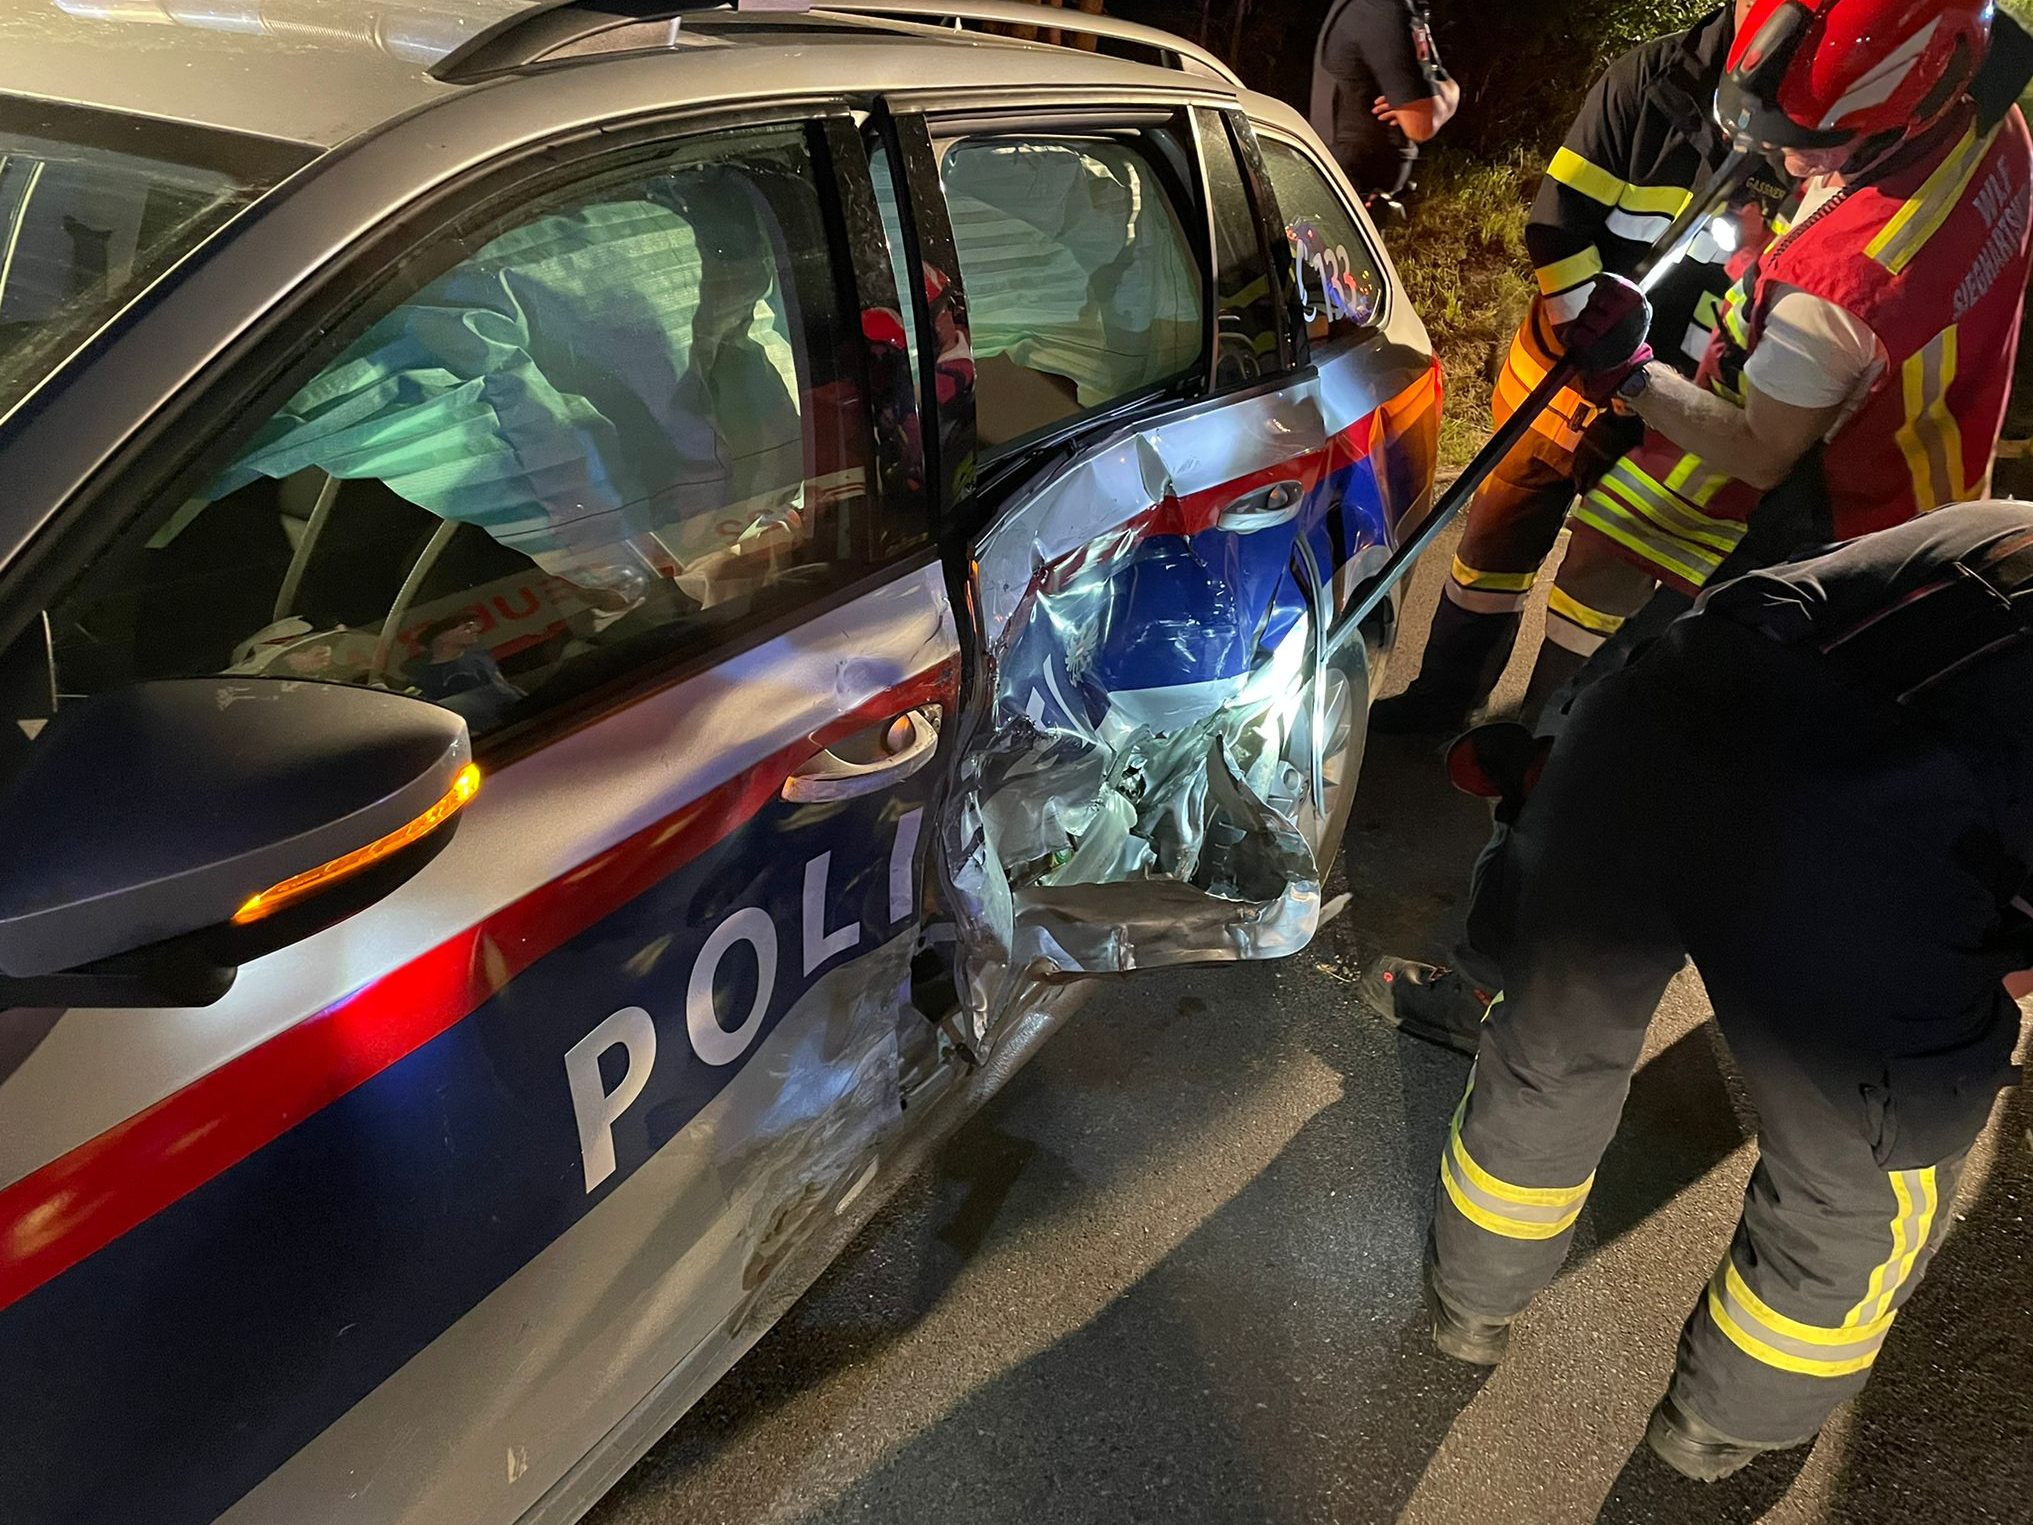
pixel 1165 718
pixel 1164 761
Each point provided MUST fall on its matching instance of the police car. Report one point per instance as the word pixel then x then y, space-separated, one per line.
pixel 604 610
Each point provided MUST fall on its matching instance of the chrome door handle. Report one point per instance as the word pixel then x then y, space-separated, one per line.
pixel 910 741
pixel 1264 509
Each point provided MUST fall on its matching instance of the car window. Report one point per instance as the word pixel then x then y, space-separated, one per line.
pixel 1246 322
pixel 882 171
pixel 612 432
pixel 1083 288
pixel 1340 284
pixel 93 206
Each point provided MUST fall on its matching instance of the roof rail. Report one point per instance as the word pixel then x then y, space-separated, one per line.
pixel 542 28
pixel 547 26
pixel 1175 50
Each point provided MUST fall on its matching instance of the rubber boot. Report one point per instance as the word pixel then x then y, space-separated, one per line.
pixel 1696 1449
pixel 1556 668
pixel 1465 656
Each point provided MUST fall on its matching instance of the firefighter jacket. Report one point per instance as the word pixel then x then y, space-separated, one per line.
pixel 1641 146
pixel 1930 252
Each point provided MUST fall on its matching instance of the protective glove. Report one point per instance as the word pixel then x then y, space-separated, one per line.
pixel 1606 341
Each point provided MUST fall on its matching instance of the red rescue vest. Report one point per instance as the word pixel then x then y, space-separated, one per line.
pixel 1931 254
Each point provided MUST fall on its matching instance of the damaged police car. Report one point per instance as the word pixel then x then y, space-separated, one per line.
pixel 603 610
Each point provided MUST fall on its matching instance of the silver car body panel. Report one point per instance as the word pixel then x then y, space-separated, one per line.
pixel 529 823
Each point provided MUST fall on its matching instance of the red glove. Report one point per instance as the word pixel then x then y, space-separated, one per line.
pixel 1607 341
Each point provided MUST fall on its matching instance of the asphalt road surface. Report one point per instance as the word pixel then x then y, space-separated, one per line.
pixel 1171 1275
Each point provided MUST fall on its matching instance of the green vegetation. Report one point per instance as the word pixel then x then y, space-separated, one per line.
pixel 1524 71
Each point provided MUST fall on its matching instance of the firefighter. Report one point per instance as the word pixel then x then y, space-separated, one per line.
pixel 1861 368
pixel 1819 785
pixel 1644 140
pixel 1379 91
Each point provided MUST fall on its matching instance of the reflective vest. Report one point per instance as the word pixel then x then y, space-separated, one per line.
pixel 1932 255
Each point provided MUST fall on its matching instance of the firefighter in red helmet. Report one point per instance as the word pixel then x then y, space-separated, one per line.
pixel 1863 362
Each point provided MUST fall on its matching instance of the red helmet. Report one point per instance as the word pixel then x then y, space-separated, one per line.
pixel 1817 73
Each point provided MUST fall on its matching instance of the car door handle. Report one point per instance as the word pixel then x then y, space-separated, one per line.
pixel 907 743
pixel 1264 509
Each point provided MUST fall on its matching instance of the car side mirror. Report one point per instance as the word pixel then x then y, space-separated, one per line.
pixel 154 839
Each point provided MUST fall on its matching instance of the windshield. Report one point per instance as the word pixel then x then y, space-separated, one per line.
pixel 93 206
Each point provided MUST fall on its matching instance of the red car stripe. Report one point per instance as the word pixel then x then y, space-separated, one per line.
pixel 79 1203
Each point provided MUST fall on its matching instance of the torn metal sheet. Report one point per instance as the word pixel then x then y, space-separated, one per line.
pixel 1160 774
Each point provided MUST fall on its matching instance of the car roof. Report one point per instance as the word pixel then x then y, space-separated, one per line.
pixel 257 67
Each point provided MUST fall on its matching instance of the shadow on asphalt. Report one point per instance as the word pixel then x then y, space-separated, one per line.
pixel 1648 1492
pixel 1275 1366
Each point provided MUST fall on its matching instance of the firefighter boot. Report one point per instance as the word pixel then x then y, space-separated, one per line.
pixel 1427 1002
pixel 1465 655
pixel 1695 1449
pixel 1465 1336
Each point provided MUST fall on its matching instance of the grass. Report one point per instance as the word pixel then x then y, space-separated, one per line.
pixel 1462 257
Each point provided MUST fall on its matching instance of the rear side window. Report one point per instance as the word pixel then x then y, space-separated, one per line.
pixel 1082 281
pixel 614 431
pixel 1338 282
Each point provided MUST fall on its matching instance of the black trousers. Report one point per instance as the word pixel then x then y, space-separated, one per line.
pixel 1727 800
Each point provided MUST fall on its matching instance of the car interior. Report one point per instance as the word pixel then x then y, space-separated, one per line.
pixel 599 436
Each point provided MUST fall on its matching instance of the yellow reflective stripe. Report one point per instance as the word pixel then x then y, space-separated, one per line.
pixel 1874 1289
pixel 1608 517
pixel 1773 1322
pixel 1592 180
pixel 1520 1196
pixel 1733 317
pixel 1919 1195
pixel 1571 271
pixel 1929 207
pixel 1671 512
pixel 1495 582
pixel 1862 1350
pixel 1524 370
pixel 1693 480
pixel 1525 365
pixel 1563 604
pixel 1515 1212
pixel 1931 439
pixel 1483 1217
pixel 1655 200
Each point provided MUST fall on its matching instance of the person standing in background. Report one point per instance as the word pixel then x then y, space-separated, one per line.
pixel 1379 91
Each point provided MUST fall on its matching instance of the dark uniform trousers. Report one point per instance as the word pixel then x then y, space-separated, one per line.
pixel 1800 842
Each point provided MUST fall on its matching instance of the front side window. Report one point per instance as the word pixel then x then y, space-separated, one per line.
pixel 1082 283
pixel 1339 284
pixel 612 432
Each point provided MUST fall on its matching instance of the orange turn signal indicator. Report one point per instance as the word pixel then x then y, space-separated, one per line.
pixel 311 881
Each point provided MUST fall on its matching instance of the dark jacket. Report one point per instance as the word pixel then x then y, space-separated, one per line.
pixel 1643 143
